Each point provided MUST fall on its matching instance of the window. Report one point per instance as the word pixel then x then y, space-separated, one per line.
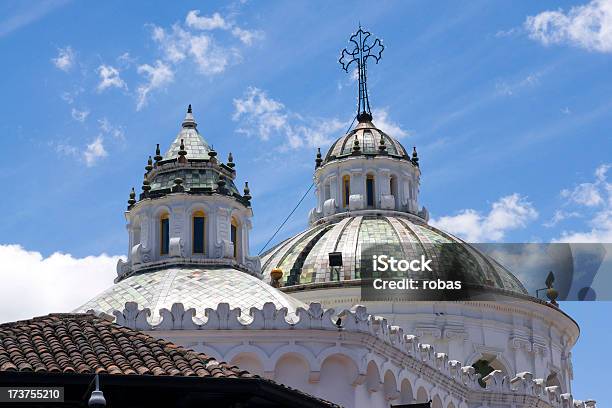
pixel 393 190
pixel 164 229
pixel 199 232
pixel 234 236
pixel 370 190
pixel 327 191
pixel 346 190
pixel 483 368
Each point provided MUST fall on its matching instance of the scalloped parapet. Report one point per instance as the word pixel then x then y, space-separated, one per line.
pixel 356 320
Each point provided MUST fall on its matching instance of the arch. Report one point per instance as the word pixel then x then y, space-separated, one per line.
pixel 338 373
pixel 553 380
pixel 301 351
pixel 326 189
pixel 346 190
pixel 198 232
pixel 292 370
pixel 450 405
pixel 372 377
pixel 250 362
pixel 485 363
pixel 406 394
pixel 393 190
pixel 370 188
pixel 345 353
pixel 164 233
pixel 390 386
pixel 436 402
pixel 422 395
pixel 236 236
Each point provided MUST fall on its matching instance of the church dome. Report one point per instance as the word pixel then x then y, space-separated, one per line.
pixel 366 139
pixel 197 288
pixel 304 258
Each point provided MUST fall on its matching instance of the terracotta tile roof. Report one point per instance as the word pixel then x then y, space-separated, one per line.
pixel 86 344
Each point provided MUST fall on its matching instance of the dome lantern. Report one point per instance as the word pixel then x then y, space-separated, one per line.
pixel 190 212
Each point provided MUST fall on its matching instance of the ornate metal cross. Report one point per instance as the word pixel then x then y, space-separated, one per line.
pixel 360 51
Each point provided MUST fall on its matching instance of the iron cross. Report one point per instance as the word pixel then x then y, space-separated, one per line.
pixel 360 51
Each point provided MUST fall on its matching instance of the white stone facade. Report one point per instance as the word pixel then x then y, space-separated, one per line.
pixel 352 358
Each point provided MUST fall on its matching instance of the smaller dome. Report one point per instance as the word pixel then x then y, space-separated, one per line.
pixel 197 288
pixel 369 138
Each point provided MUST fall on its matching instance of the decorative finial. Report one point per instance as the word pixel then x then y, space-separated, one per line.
pixel 182 152
pixel 356 147
pixel 132 199
pixel 230 161
pixel 276 274
pixel 189 121
pixel 177 187
pixel 212 154
pixel 146 186
pixel 381 146
pixel 318 160
pixel 149 165
pixel 158 157
pixel 360 51
pixel 415 157
pixel 221 184
pixel 247 193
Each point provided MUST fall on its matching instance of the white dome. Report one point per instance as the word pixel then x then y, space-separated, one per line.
pixel 195 288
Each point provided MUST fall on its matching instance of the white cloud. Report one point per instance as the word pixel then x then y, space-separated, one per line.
pixel 506 214
pixel 94 152
pixel 117 132
pixel 179 44
pixel 110 78
pixel 213 22
pixel 559 216
pixel 383 122
pixel 248 37
pixel 40 285
pixel 79 115
pixel 588 26
pixel 65 59
pixel 509 88
pixel 262 116
pixel 585 194
pixel 595 200
pixel 193 41
pixel 158 76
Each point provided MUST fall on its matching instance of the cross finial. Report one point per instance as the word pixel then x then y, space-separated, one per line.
pixel 189 109
pixel 359 51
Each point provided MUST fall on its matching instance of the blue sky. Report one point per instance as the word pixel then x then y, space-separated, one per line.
pixel 508 104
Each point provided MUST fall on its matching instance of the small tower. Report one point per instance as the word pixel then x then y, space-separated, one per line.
pixel 366 171
pixel 190 212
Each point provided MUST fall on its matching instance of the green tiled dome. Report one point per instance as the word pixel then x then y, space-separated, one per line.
pixel 304 259
pixel 369 138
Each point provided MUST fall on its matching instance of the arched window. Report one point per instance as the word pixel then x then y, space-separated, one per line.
pixel 483 368
pixel 326 191
pixel 234 236
pixel 198 236
pixel 370 190
pixel 393 189
pixel 553 380
pixel 346 190
pixel 164 234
